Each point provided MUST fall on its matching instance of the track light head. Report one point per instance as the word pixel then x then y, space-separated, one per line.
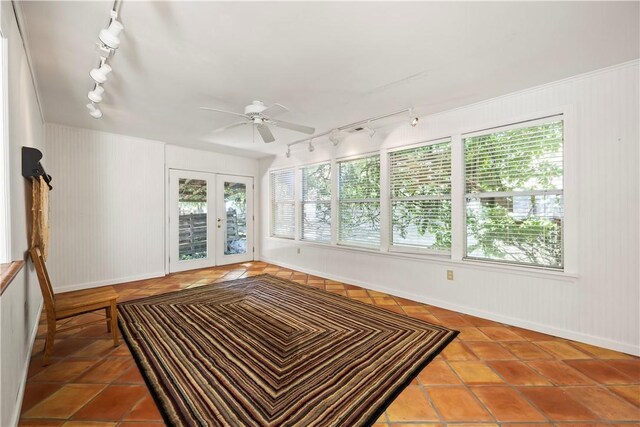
pixel 334 137
pixel 110 36
pixel 94 111
pixel 413 119
pixel 371 132
pixel 99 75
pixel 311 147
pixel 288 153
pixel 96 94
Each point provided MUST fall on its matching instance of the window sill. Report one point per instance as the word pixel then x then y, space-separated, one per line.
pixel 8 272
pixel 440 258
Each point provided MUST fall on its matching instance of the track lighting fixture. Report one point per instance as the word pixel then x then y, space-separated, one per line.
pixel 335 134
pixel 110 36
pixel 99 75
pixel 108 42
pixel 96 94
pixel 94 111
pixel 413 120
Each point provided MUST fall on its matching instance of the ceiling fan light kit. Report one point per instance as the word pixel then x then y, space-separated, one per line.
pixel 261 117
pixel 334 134
pixel 108 42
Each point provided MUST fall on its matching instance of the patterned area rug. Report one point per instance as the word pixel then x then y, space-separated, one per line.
pixel 264 351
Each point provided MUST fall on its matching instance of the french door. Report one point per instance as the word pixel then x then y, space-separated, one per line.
pixel 210 219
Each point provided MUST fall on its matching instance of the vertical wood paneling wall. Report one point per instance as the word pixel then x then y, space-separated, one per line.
pixel 601 303
pixel 21 303
pixel 107 207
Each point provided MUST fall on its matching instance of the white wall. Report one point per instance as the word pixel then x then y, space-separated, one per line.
pixel 21 302
pixel 107 208
pixel 599 302
pixel 108 204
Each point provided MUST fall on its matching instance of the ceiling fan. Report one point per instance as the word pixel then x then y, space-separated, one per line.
pixel 260 116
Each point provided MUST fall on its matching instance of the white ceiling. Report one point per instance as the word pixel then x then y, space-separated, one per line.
pixel 330 63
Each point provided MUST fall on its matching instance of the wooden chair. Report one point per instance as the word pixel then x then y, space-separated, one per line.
pixel 69 304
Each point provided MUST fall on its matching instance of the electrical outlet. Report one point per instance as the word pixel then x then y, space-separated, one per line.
pixel 449 274
pixel 298 251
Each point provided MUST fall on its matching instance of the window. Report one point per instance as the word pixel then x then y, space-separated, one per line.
pixel 316 203
pixel 420 184
pixel 359 201
pixel 282 203
pixel 514 200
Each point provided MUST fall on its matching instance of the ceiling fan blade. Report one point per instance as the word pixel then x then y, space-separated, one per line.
pixel 222 129
pixel 274 110
pixel 293 126
pixel 225 112
pixel 265 133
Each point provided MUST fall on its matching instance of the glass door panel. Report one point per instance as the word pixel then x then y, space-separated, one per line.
pixel 192 234
pixel 192 219
pixel 235 219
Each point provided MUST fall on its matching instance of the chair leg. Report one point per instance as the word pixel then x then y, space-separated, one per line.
pixel 108 313
pixel 48 346
pixel 114 322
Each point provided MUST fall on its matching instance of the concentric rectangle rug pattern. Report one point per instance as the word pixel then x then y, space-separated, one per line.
pixel 264 351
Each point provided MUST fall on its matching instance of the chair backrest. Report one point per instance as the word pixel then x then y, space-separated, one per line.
pixel 43 279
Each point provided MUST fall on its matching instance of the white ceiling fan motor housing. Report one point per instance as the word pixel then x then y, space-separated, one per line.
pixel 254 109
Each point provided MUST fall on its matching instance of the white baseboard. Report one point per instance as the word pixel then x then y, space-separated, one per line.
pixel 513 321
pixel 115 281
pixel 15 418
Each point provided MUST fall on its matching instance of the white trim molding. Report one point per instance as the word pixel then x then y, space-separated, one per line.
pixel 507 320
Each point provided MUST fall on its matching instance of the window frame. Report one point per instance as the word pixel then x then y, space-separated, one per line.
pixel 300 202
pixel 407 249
pixel 455 258
pixel 271 200
pixel 336 199
pixel 521 124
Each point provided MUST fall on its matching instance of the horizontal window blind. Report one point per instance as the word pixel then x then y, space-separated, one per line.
pixel 316 203
pixel 514 194
pixel 420 183
pixel 359 201
pixel 282 190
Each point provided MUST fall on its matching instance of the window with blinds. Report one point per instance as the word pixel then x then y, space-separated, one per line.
pixel 514 194
pixel 359 201
pixel 283 204
pixel 420 184
pixel 316 203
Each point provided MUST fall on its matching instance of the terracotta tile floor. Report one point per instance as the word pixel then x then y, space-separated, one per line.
pixel 491 374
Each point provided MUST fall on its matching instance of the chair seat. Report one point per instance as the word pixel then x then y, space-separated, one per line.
pixel 69 303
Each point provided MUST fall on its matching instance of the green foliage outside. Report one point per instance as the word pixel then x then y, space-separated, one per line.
pixel 359 180
pixel 527 228
pixel 513 227
pixel 423 172
pixel 316 190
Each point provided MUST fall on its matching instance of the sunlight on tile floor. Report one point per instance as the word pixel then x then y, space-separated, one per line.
pixel 492 374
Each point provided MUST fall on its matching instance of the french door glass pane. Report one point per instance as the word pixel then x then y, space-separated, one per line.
pixel 235 206
pixel 192 211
